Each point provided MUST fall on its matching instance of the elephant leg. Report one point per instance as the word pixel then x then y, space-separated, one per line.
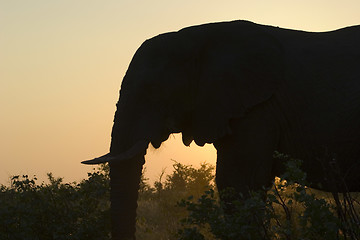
pixel 124 183
pixel 245 158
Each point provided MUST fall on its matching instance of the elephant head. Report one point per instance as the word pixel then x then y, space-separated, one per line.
pixel 193 81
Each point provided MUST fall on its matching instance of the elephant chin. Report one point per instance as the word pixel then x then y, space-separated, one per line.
pixel 138 148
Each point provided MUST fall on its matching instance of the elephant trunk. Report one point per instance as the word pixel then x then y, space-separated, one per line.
pixel 124 182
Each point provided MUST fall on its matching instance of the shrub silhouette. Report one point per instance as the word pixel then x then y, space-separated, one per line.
pixel 289 211
pixel 181 205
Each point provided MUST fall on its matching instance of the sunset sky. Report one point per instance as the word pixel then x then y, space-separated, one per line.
pixel 62 62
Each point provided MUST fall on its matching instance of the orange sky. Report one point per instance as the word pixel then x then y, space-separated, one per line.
pixel 61 65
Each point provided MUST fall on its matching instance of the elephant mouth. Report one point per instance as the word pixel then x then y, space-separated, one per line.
pixel 138 148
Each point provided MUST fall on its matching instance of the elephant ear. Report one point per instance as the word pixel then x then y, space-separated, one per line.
pixel 234 77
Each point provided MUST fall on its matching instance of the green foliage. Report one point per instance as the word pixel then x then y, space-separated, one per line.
pixel 158 212
pixel 55 210
pixel 288 211
pixel 207 218
pixel 71 211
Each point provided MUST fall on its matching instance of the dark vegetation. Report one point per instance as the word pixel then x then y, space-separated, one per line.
pixel 289 210
pixel 182 205
pixel 56 210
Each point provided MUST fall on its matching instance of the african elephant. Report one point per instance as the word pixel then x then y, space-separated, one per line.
pixel 250 90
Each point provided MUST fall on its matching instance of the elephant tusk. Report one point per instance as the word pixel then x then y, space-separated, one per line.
pixel 103 159
pixel 136 149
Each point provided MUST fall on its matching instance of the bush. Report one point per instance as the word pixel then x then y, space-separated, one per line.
pixel 289 211
pixel 55 210
pixel 158 213
pixel 71 211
